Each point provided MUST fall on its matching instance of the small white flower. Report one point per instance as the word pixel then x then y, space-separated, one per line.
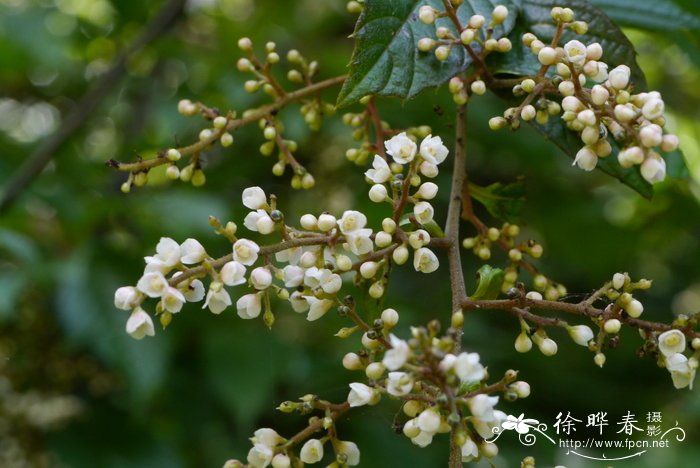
pixel 427 191
pixel 167 252
pixel 619 77
pixel 290 256
pixel 127 297
pixel 428 421
pixel 232 273
pixel 350 450
pixel 249 306
pixel 424 212
pixel 380 171
pixel 152 284
pixel 311 451
pixel 581 334
pixel 401 148
pixel 653 168
pixel 468 368
pixel 378 193
pixel 423 439
pixel 266 436
pixel 469 450
pixel 432 149
pixel 447 363
pixel 425 261
pixel 217 299
pixel 682 373
pixel 481 407
pixel 245 251
pixel 191 251
pixel 260 456
pixel 293 276
pixel 671 342
pixel 397 356
pixel 259 221
pixel 173 300
pixel 299 304
pixel 261 278
pixel 194 292
pixel 360 242
pixel 323 278
pixel 586 159
pixel 360 394
pixel 485 428
pixel 399 383
pixel 575 52
pixel 254 198
pixel 281 460
pixel 351 222
pixel 317 307
pixel 140 324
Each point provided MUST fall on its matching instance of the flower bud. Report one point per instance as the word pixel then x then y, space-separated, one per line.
pixel 612 326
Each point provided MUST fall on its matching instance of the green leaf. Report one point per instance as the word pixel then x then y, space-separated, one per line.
pixel 656 15
pixel 503 201
pixel 489 282
pixel 386 60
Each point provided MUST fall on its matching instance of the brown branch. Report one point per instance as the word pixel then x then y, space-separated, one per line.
pixel 84 109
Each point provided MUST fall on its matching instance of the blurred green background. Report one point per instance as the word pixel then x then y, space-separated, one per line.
pixel 77 391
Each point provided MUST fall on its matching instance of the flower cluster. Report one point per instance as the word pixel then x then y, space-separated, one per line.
pixel 596 103
pixel 672 344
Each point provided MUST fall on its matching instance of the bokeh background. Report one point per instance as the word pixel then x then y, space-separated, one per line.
pixel 77 391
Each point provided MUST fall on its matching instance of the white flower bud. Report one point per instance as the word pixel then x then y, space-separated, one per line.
pixel 575 52
pixel 653 109
pixel 232 273
pixel 572 104
pixel 594 51
pixel 308 259
pixel 427 191
pixel 566 88
pixel 669 143
pixel 127 297
pixel 581 334
pixel 281 460
pixel 587 117
pixel 528 112
pixel 478 87
pixel 619 77
pixel 521 388
pixel 586 159
pixel 426 14
pixel 423 211
pixel 653 168
pixel 311 451
pixel 378 193
pixel 590 136
pixel 547 56
pixel 599 359
pixel 651 135
pixel 261 278
pixel 428 421
pixel 369 269
pixel 426 44
pixel 634 308
pixel 631 156
pixel 400 255
pixel 476 21
pixel 599 95
pixel 326 222
pixel 308 222
pixel 499 15
pixel 618 280
pixel 612 326
pixel 425 261
pixel 375 370
pixel 390 317
pixel 523 343
pixel 352 221
pixel 548 347
pixel 352 361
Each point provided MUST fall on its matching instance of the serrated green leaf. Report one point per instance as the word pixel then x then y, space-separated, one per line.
pixel 489 282
pixel 503 201
pixel 656 15
pixel 535 17
pixel 386 60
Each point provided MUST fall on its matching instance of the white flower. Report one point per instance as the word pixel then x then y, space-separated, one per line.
pixel 586 159
pixel 318 307
pixel 127 297
pixel 266 436
pixel 401 148
pixel 654 168
pixel 350 450
pixel 217 299
pixel 167 253
pixel 424 260
pixel 469 450
pixel 619 77
pixel 140 324
pixel 281 460
pixel 682 373
pixel 399 383
pixel 360 242
pixel 428 421
pixel 378 193
pixel 254 198
pixel 172 300
pixel 468 368
pixel 324 278
pixel 293 276
pixel 232 273
pixel 481 407
pixel 671 342
pixel 380 171
pixel 653 109
pixel 485 428
pixel 397 356
pixel 581 334
pixel 194 292
pixel 191 251
pixel 311 451
pixel 351 222
pixel 447 363
pixel 360 394
pixel 423 439
pixel 290 256
pixel 152 284
pixel 299 304
pixel 245 251
pixel 432 149
pixel 249 306
pixel 575 52
pixel 260 456
pixel 261 278
pixel 427 191
pixel 259 221
pixel 423 211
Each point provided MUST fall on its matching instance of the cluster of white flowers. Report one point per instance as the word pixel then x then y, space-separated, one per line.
pixel 476 31
pixel 597 102
pixel 394 376
pixel 672 344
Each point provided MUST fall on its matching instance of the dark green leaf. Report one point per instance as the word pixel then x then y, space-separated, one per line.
pixel 503 201
pixel 386 60
pixel 659 15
